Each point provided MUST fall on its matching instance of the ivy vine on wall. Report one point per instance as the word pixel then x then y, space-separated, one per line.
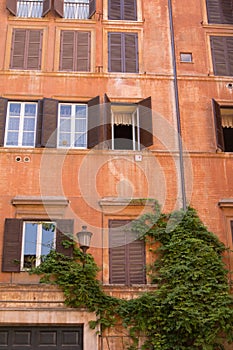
pixel 191 308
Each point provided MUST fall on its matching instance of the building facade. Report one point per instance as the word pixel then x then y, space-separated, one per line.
pixel 105 104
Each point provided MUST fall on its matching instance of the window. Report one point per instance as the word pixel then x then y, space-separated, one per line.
pixel 26 49
pixel 186 57
pixel 26 242
pixel 21 124
pixel 75 51
pixel 224 126
pixel 28 8
pixel 38 241
pixel 126 255
pixel 222 55
pixel 76 9
pixel 122 10
pixel 128 126
pixel 219 11
pixel 123 52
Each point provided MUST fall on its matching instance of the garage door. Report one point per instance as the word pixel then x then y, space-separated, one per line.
pixel 38 338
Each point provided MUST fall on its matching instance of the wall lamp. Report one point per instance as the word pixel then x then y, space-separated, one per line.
pixel 84 239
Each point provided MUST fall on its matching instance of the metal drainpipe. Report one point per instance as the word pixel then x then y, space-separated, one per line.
pixel 181 159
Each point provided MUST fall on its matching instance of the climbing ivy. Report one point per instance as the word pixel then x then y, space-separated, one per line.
pixel 191 307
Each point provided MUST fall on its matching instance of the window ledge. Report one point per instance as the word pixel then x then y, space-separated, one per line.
pixel 226 203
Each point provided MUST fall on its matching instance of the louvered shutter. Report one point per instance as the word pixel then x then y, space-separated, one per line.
pixel 93 132
pixel 231 231
pixel 11 6
pixel 115 54
pixel 122 10
pixel 46 7
pixel 218 125
pixel 18 49
pixel 220 11
pixel 67 50
pixel 12 244
pixel 64 232
pixel 83 51
pixel 136 253
pixel 59 7
pixel 34 49
pixel 49 123
pixel 92 8
pixel 39 123
pixel 107 121
pixel 131 53
pixel 130 10
pixel 222 55
pixel 114 9
pixel 3 111
pixel 145 122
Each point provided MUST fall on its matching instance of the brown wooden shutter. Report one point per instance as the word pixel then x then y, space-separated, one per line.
pixel 145 122
pixel 34 49
pixel 83 40
pixel 93 132
pixel 107 121
pixel 220 11
pixel 59 7
pixel 222 55
pixel 92 8
pixel 115 53
pixel 64 231
pixel 39 123
pixel 231 231
pixel 122 10
pixel 218 125
pixel 12 244
pixel 137 262
pixel 131 53
pixel 114 9
pixel 49 123
pixel 11 6
pixel 46 7
pixel 67 50
pixel 18 49
pixel 3 111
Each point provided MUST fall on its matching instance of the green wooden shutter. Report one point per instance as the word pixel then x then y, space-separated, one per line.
pixel 222 55
pixel 49 123
pixel 64 232
pixel 218 125
pixel 3 111
pixel 145 122
pixel 12 244
pixel 93 132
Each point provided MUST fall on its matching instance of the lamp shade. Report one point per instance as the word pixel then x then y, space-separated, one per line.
pixel 84 238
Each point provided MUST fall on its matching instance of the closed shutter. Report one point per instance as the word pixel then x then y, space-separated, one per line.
pixel 11 6
pixel 130 10
pixel 220 11
pixel 231 231
pixel 59 7
pixel 67 50
pixel 46 7
pixel 126 255
pixel 18 49
pixel 93 132
pixel 34 49
pixel 107 121
pixel 222 55
pixel 49 123
pixel 92 8
pixel 64 232
pixel 122 10
pixel 83 51
pixel 39 123
pixel 218 125
pixel 123 52
pixel 114 9
pixel 145 122
pixel 3 110
pixel 12 245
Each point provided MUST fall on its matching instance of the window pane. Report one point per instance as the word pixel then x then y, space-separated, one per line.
pixel 12 139
pixel 30 110
pixel 65 110
pixel 28 139
pixel 14 109
pixel 48 232
pixel 80 140
pixel 80 111
pixel 30 238
pixel 29 124
pixel 64 140
pixel 65 125
pixel 80 125
pixel 13 124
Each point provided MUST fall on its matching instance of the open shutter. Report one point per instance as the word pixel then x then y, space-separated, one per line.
pixel 114 9
pixel 115 52
pixel 46 7
pixel 18 49
pixel 3 111
pixel 64 232
pixel 145 122
pixel 83 51
pixel 93 132
pixel 12 245
pixel 49 123
pixel 218 125
pixel 131 52
pixel 34 49
pixel 39 123
pixel 107 121
pixel 222 55
pixel 92 8
pixel 67 50
pixel 11 6
pixel 59 7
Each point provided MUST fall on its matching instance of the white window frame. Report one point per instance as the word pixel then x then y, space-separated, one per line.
pixel 38 241
pixel 21 117
pixel 72 132
pixel 134 122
